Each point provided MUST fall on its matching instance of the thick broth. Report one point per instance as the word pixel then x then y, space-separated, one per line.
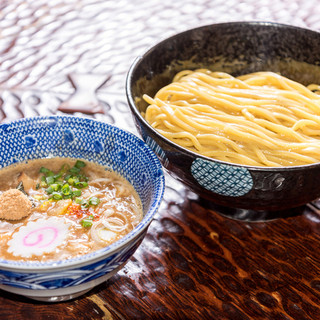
pixel 61 225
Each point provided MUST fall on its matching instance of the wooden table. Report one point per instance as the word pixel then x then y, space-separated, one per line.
pixel 194 263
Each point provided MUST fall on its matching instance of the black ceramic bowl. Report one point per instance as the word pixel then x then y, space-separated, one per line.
pixel 236 48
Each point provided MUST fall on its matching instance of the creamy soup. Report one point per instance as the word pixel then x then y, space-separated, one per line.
pixel 76 207
pixel 256 119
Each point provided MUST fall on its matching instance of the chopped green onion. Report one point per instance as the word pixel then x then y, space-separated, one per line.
pixel 43 184
pixel 80 164
pixel 38 197
pixel 79 200
pixel 55 186
pixel 57 176
pixel 94 201
pixel 86 222
pixel 81 184
pixel 60 185
pixel 67 177
pixel 56 196
pixel 85 204
pixel 64 169
pixel 70 181
pixel 44 170
pixel 73 180
pixel 66 190
pixel 50 174
pixel 74 170
pixel 49 190
pixel 76 193
pixel 50 180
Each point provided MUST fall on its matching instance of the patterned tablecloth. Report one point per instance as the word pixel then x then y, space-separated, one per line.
pixel 50 51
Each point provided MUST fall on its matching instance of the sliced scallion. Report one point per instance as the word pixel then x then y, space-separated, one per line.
pixel 81 184
pixel 56 196
pixel 66 183
pixel 79 200
pixel 76 193
pixel 86 223
pixel 94 201
pixel 50 180
pixel 66 190
pixel 74 170
pixel 80 164
pixel 44 170
pixel 49 190
pixel 55 186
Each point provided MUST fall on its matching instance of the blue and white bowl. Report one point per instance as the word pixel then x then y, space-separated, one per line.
pixel 68 136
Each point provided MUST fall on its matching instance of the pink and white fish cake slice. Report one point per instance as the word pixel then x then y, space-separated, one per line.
pixel 38 237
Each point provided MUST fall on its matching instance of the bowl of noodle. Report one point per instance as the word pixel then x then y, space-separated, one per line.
pixel 77 196
pixel 232 110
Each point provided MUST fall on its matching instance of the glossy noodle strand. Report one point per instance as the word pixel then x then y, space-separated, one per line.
pixel 259 119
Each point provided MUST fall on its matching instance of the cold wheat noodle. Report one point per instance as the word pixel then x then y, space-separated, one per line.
pixel 259 119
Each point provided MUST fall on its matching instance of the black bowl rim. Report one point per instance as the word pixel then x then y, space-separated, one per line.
pixel 137 114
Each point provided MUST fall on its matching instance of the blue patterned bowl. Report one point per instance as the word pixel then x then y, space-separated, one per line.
pixel 68 136
pixel 237 48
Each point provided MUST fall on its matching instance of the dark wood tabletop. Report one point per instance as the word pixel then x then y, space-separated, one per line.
pixel 195 262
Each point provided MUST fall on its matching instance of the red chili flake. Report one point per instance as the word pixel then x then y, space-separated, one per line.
pixel 76 210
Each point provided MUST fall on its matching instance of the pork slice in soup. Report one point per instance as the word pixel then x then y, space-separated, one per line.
pixel 77 207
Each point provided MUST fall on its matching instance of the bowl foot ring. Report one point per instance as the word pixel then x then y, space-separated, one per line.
pixel 250 214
